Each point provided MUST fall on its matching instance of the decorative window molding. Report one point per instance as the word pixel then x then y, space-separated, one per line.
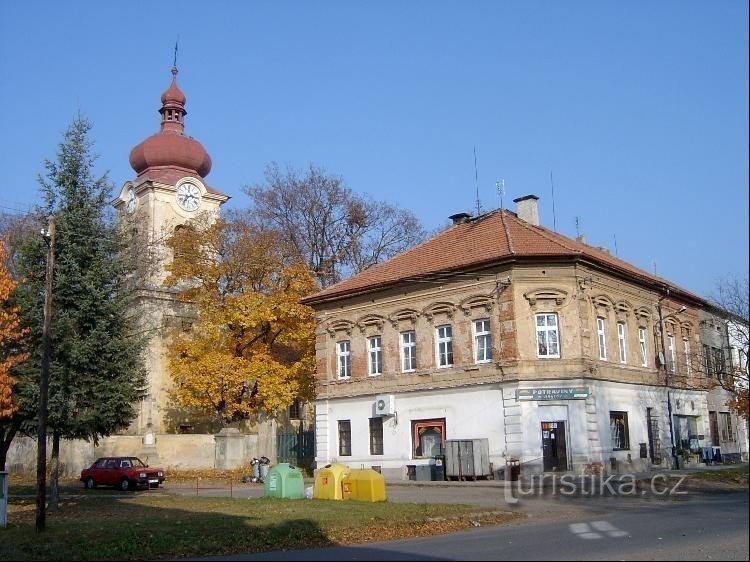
pixel 371 323
pixel 602 305
pixel 622 310
pixel 404 318
pixel 438 308
pixel 485 302
pixel 340 326
pixel 642 316
pixel 558 296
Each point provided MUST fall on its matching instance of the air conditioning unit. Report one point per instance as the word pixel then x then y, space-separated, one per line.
pixel 385 405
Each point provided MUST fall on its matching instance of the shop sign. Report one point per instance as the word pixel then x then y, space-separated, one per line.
pixel 565 393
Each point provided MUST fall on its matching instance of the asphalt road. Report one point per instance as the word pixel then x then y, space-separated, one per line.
pixel 697 526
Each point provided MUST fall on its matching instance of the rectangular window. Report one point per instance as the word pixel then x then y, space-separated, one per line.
pixel 547 336
pixel 643 346
pixel 718 361
pixel 445 346
pixel 726 426
pixel 618 429
pixel 482 341
pixel 671 354
pixel 376 355
pixel 376 436
pixel 622 340
pixel 345 438
pixel 688 359
pixel 707 360
pixel 409 351
pixel 602 333
pixel 345 366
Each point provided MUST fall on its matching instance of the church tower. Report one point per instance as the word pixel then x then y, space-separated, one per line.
pixel 169 189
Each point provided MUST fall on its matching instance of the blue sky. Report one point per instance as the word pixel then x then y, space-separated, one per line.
pixel 639 110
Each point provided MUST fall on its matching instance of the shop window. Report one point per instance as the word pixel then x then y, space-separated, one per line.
pixel 428 438
pixel 618 429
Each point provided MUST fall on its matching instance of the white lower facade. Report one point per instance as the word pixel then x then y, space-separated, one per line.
pixel 624 427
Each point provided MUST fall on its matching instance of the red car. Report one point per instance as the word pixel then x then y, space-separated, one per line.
pixel 126 473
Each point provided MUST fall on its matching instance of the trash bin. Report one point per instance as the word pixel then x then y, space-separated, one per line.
pixel 364 485
pixel 512 469
pixel 327 484
pixel 438 469
pixel 284 481
pixel 424 472
pixel 264 465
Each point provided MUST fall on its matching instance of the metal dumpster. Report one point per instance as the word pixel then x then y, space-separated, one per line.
pixel 467 459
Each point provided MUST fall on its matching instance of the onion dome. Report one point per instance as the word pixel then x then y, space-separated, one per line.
pixel 170 154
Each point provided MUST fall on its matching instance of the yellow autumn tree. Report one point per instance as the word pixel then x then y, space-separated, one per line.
pixel 10 335
pixel 251 349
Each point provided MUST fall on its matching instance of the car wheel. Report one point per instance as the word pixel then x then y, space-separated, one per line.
pixel 125 485
pixel 90 484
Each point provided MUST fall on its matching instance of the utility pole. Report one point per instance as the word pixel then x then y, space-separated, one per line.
pixel 41 456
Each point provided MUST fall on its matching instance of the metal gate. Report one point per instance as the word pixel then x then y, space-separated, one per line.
pixel 296 448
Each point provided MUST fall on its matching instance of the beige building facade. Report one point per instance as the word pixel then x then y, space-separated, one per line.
pixel 499 329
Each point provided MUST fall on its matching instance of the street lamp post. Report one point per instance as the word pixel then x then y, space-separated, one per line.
pixel 675 464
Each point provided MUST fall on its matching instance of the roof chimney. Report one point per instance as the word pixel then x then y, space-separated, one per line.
pixel 460 218
pixel 527 209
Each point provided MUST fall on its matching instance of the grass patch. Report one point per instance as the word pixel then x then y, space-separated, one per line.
pixel 114 526
pixel 736 475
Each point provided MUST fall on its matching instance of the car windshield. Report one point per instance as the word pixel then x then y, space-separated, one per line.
pixel 138 463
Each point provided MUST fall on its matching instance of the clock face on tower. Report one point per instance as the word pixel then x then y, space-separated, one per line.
pixel 188 196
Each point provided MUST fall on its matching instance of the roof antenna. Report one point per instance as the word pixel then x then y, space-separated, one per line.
pixel 554 221
pixel 615 238
pixel 476 183
pixel 578 228
pixel 500 186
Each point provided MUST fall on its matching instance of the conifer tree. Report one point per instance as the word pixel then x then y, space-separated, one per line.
pixel 97 373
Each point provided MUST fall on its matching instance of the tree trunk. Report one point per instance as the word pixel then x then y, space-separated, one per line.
pixel 7 438
pixel 54 491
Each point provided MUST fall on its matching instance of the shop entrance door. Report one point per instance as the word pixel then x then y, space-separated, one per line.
pixel 554 451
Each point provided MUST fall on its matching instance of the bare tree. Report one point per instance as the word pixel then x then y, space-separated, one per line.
pixel 731 299
pixel 336 232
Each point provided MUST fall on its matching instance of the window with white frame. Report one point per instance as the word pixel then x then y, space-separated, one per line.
pixel 344 359
pixel 622 340
pixel 602 333
pixel 547 336
pixel 727 433
pixel 409 351
pixel 376 355
pixel 482 341
pixel 688 358
pixel 643 346
pixel 445 346
pixel 672 354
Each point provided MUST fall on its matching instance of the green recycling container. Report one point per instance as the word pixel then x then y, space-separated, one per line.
pixel 284 481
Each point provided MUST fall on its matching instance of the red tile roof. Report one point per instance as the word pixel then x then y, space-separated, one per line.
pixel 495 237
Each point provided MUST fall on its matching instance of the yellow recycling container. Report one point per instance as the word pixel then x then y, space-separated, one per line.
pixel 327 484
pixel 364 484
